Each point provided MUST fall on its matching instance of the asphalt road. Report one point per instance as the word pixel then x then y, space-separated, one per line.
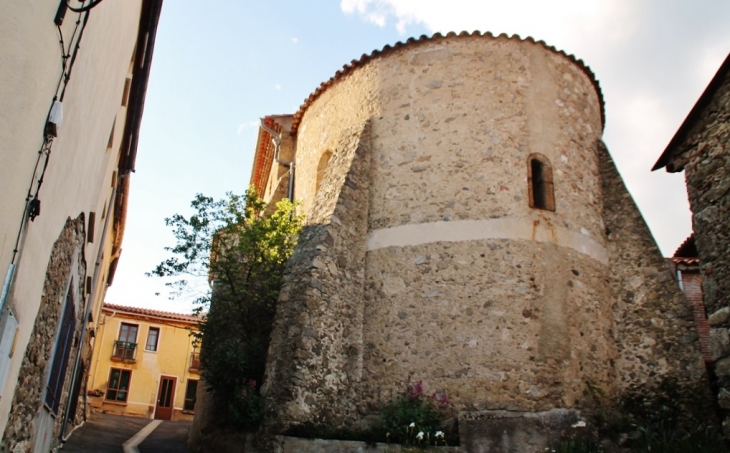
pixel 169 437
pixel 104 433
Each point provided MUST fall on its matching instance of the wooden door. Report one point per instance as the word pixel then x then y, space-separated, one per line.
pixel 165 398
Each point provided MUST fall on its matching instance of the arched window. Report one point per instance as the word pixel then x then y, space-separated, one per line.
pixel 540 182
pixel 322 167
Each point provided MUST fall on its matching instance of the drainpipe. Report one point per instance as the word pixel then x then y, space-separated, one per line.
pixel 6 287
pixel 679 279
pixel 277 141
pixel 89 303
pixel 101 342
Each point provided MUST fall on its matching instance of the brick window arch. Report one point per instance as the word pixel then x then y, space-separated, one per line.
pixel 540 182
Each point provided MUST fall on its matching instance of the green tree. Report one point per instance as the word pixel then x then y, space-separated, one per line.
pixel 242 252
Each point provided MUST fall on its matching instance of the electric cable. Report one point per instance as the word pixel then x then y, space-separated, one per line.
pixel 76 51
pixel 66 67
pixel 84 9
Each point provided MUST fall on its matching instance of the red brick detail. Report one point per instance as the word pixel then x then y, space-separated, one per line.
pixel 692 284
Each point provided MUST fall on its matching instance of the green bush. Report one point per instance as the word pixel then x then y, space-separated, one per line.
pixel 242 253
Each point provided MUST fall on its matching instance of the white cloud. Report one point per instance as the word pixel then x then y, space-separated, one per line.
pixel 653 59
pixel 277 86
pixel 295 40
pixel 246 125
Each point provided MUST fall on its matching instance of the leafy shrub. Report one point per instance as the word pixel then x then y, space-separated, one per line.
pixel 242 253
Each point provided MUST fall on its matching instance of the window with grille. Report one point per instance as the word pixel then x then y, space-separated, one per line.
pixel 125 347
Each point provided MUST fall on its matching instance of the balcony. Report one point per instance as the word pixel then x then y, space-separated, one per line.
pixel 194 362
pixel 124 352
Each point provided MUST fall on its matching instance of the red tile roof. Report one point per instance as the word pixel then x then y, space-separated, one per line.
pixel 688 249
pixel 264 157
pixel 149 312
pixel 687 261
pixel 365 58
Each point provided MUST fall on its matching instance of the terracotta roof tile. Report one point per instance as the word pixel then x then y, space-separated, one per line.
pixel 687 261
pixel 365 58
pixel 149 312
pixel 688 249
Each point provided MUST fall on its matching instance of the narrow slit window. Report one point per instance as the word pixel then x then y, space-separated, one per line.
pixel 540 183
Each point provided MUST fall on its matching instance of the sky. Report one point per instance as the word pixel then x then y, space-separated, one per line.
pixel 219 66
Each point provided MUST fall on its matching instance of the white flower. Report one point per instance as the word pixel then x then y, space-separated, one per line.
pixel 439 434
pixel 412 425
pixel 419 436
pixel 579 424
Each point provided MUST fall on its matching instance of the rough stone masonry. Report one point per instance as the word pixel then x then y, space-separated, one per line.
pixel 700 148
pixel 426 256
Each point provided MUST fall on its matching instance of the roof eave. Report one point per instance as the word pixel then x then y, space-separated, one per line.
pixel 692 117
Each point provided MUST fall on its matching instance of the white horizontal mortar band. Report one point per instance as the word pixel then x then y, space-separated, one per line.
pixel 473 230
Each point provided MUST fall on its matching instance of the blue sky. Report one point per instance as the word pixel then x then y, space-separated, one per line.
pixel 219 66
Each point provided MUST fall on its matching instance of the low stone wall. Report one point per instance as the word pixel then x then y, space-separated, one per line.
pixel 513 432
pixel 286 444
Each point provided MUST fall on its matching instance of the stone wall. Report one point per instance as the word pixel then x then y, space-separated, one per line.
pixel 482 307
pixel 315 357
pixel 28 398
pixel 705 157
pixel 707 173
pixel 422 256
pixel 655 333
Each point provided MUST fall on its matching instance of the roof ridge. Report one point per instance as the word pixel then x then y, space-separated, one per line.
pixel 150 311
pixel 366 58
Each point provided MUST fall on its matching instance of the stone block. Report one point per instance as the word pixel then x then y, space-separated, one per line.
pixel 514 432
pixel 723 398
pixel 285 444
pixel 722 367
pixel 719 343
pixel 720 317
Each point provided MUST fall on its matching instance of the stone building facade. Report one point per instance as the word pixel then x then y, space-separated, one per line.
pixel 467 227
pixel 700 149
pixel 67 149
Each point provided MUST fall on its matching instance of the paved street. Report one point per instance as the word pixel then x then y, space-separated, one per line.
pixel 169 437
pixel 104 433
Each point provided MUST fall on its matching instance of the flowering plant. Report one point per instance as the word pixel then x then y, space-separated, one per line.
pixel 413 417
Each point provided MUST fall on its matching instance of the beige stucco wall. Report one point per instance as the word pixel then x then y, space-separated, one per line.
pixel 467 287
pixel 78 179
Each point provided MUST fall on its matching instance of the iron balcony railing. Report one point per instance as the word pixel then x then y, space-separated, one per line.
pixel 124 351
pixel 194 361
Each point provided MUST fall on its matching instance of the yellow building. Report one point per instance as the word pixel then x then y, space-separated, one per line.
pixel 145 364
